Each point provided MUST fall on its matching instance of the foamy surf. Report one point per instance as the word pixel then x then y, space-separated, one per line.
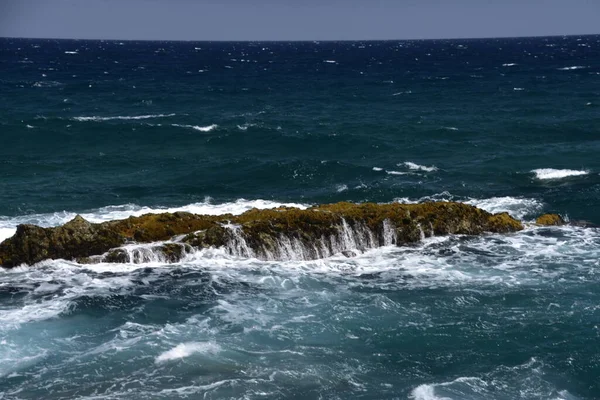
pixel 122 117
pixel 575 67
pixel 185 350
pixel 207 128
pixel 416 167
pixel 551 173
pixel 8 224
pixel 518 207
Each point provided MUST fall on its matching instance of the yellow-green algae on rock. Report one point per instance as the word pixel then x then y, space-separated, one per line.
pixel 550 220
pixel 315 232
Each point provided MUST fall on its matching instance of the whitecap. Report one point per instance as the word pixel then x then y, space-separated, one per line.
pixel 125 117
pixel 185 350
pixel 518 89
pixel 517 207
pixel 8 225
pixel 551 173
pixel 417 167
pixel 396 173
pixel 330 61
pixel 377 169
pixel 245 126
pixel 72 52
pixel 207 128
pixel 509 64
pixel 571 68
pixel 341 188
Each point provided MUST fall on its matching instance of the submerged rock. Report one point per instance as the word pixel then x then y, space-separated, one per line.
pixel 276 234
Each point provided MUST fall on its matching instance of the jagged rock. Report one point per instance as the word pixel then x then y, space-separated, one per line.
pixel 75 239
pixel 280 233
pixel 550 220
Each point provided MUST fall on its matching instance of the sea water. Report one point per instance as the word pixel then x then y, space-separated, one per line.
pixel 110 129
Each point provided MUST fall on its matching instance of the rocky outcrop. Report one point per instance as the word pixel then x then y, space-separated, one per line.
pixel 550 220
pixel 277 234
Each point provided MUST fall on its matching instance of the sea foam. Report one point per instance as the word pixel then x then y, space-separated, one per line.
pixel 551 173
pixel 122 117
pixel 184 350
pixel 417 167
pixel 8 225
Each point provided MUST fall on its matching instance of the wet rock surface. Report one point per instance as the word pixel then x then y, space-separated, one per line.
pixel 272 234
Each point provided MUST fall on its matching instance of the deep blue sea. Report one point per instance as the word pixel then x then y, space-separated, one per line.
pixel 111 129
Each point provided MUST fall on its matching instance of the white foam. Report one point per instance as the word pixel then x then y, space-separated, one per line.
pixel 184 350
pixel 516 206
pixel 125 117
pixel 518 89
pixel 330 61
pixel 417 167
pixel 207 128
pixel 245 126
pixel 8 225
pixel 509 64
pixel 341 188
pixel 396 173
pixel 5 233
pixel 377 169
pixel 551 173
pixel 426 392
pixel 572 68
pixel 72 52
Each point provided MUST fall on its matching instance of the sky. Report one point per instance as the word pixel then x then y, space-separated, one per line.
pixel 295 19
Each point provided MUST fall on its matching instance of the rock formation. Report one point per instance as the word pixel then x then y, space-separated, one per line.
pixel 550 220
pixel 274 234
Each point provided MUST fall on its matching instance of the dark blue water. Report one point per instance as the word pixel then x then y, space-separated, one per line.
pixel 111 129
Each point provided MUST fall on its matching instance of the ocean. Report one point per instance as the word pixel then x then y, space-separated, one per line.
pixel 111 129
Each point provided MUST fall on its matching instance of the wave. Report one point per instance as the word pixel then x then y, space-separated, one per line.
pixel 126 117
pixel 572 68
pixel 245 126
pixel 517 207
pixel 377 169
pixel 417 167
pixel 44 84
pixel 521 381
pixel 187 349
pixel 8 225
pixel 509 64
pixel 396 173
pixel 207 128
pixel 551 173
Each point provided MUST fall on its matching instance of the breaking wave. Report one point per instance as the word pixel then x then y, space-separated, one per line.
pixel 125 118
pixel 417 167
pixel 551 173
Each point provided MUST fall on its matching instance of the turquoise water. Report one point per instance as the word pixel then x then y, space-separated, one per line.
pixel 112 129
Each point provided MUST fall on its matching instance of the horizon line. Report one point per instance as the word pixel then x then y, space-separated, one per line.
pixel 302 40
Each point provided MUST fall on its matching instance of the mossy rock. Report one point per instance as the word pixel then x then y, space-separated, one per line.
pixel 261 230
pixel 550 220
